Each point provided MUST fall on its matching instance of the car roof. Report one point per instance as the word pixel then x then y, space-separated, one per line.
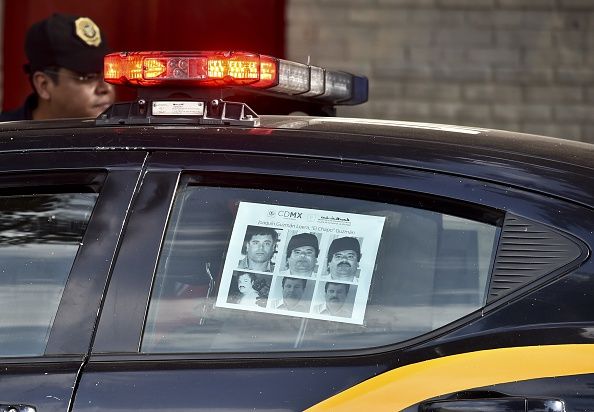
pixel 557 167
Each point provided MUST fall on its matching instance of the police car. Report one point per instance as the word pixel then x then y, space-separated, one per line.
pixel 185 251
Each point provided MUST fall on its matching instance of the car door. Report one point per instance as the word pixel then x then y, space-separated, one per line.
pixel 179 331
pixel 61 216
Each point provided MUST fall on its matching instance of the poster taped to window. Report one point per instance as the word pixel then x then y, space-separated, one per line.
pixel 309 263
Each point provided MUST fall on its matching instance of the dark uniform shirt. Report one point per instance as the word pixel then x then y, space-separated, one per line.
pixel 25 112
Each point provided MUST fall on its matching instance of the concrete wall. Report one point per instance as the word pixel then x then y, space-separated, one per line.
pixel 523 65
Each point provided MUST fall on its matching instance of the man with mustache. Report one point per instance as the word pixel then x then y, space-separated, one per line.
pixel 335 296
pixel 293 289
pixel 65 70
pixel 302 255
pixel 344 255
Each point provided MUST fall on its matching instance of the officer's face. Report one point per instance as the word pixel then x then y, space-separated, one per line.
pixel 302 260
pixel 260 248
pixel 73 97
pixel 292 291
pixel 343 265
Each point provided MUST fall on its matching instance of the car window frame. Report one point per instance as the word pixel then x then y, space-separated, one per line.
pixel 114 176
pixel 120 335
pixel 405 203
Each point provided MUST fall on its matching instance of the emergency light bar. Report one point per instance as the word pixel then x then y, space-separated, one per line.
pixel 234 69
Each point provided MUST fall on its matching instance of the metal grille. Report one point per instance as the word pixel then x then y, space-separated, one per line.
pixel 528 251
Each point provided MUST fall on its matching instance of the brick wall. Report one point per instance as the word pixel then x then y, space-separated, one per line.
pixel 523 65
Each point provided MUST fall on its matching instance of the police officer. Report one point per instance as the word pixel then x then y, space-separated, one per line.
pixel 65 70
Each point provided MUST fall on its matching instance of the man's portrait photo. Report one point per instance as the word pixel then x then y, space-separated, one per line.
pixel 258 248
pixel 302 255
pixel 343 259
pixel 249 289
pixel 335 302
pixel 293 295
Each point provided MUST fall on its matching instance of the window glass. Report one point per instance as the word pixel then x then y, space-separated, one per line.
pixel 39 238
pixel 247 270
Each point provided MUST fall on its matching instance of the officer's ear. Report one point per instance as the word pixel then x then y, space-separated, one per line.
pixel 42 83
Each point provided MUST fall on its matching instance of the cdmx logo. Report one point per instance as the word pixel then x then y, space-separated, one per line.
pixel 271 213
pixel 291 215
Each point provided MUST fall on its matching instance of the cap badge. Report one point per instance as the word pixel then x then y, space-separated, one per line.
pixel 88 31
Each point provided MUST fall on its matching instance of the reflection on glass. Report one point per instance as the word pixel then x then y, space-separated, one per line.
pixel 431 269
pixel 39 238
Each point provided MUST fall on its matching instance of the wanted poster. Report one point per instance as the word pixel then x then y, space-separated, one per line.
pixel 301 262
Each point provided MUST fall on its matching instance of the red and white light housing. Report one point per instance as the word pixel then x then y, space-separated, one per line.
pixel 233 69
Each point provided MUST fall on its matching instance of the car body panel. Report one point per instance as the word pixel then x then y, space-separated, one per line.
pixel 46 384
pixel 469 170
pixel 235 169
pixel 509 158
pixel 402 387
pixel 131 386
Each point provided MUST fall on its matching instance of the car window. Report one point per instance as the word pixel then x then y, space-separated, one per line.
pixel 40 235
pixel 245 270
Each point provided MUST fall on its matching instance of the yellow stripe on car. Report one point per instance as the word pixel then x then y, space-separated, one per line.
pixel 405 386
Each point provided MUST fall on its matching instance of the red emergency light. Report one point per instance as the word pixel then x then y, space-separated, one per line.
pixel 190 68
pixel 233 69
